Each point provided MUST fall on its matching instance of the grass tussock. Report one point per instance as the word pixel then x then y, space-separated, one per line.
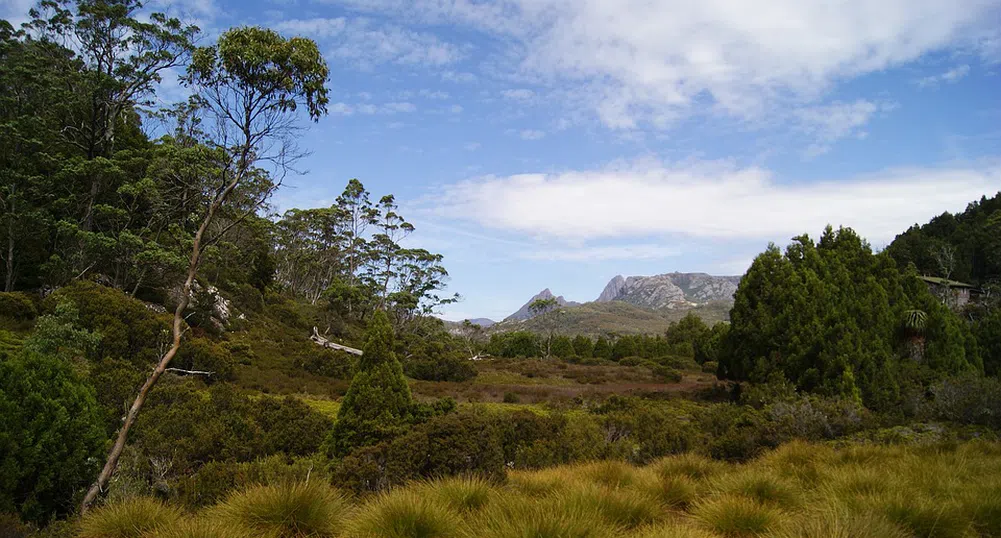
pixel 464 494
pixel 735 516
pixel 797 491
pixel 405 514
pixel 133 518
pixel 521 517
pixel 297 510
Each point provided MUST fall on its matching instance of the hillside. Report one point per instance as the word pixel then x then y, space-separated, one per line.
pixel 621 318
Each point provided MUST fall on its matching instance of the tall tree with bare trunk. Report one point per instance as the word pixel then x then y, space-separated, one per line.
pixel 249 87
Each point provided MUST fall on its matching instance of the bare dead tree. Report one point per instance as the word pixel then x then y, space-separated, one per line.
pixel 250 85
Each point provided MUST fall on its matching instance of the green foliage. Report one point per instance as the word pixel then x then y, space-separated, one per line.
pixel 447 368
pixel 829 318
pixel 710 344
pixel 59 335
pixel 515 344
pixel 973 238
pixel 378 404
pixel 602 349
pixel 583 346
pixel 51 435
pixel 187 426
pixel 17 306
pixel 128 329
pixel 212 482
pixel 452 444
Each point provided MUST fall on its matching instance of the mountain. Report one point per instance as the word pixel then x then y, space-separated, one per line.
pixel 524 312
pixel 482 322
pixel 670 290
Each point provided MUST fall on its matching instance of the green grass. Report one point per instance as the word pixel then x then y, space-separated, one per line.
pixel 797 491
pixel 329 408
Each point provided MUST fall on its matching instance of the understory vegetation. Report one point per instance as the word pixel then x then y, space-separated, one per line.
pixel 799 490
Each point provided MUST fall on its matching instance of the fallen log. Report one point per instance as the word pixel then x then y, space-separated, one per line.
pixel 331 345
pixel 188 372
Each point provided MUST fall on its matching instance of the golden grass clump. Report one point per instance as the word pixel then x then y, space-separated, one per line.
pixel 290 510
pixel 691 465
pixel 611 474
pixel 200 528
pixel 131 518
pixel 735 516
pixel 462 494
pixel 676 529
pixel 404 514
pixel 676 492
pixel 539 483
pixel 521 517
pixel 623 508
pixel 836 521
pixel 762 486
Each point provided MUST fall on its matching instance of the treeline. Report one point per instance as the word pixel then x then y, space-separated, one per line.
pixel 965 247
pixel 88 192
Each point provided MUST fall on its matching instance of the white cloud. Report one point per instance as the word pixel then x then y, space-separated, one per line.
pixel 709 200
pixel 520 94
pixel 826 124
pixel 345 109
pixel 366 44
pixel 637 62
pixel 459 77
pixel 433 94
pixel 456 109
pixel 471 146
pixel 949 76
pixel 602 253
pixel 531 134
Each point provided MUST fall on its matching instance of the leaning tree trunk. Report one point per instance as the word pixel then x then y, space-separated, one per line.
pixel 116 450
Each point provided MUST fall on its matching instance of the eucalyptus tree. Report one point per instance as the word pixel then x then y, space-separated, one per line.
pixel 249 87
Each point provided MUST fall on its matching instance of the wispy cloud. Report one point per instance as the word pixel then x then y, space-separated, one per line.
pixel 826 124
pixel 708 200
pixel 396 107
pixel 367 43
pixel 532 134
pixel 950 76
pixel 603 253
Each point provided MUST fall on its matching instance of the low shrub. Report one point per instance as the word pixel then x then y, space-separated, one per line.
pixel 17 306
pixel 710 367
pixel 969 399
pixel 666 374
pixel 216 480
pixel 445 368
pixel 285 511
pixel 132 518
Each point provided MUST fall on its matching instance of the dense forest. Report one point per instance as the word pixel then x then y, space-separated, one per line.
pixel 164 367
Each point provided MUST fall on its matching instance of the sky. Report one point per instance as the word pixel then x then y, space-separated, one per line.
pixel 558 143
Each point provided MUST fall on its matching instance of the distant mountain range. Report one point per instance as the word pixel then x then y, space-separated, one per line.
pixel 670 291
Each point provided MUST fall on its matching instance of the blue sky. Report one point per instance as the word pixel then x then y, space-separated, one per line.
pixel 557 143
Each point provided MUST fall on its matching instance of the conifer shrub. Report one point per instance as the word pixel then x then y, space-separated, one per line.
pixel 133 518
pixel 292 510
pixel 51 435
pixel 404 514
pixel 378 404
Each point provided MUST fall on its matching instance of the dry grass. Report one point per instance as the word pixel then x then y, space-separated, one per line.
pixel 797 491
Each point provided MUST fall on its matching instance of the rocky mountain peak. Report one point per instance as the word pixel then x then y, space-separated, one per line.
pixel 525 312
